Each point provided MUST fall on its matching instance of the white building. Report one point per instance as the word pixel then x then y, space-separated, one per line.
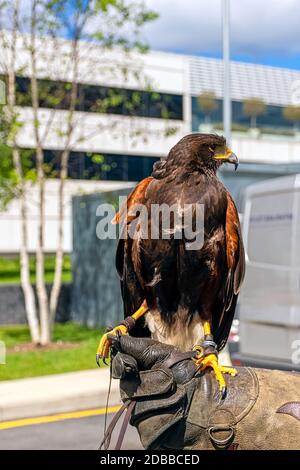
pixel 119 136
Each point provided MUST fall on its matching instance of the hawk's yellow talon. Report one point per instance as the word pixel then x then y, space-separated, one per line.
pixel 105 342
pixel 211 360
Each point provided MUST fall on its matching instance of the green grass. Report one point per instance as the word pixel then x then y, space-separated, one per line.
pixel 10 269
pixel 35 363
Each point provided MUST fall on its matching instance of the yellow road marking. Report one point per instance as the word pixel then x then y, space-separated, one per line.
pixel 59 417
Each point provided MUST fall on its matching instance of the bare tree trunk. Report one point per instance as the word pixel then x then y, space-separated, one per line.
pixel 59 257
pixel 40 258
pixel 63 176
pixel 30 305
pixel 253 122
pixel 29 297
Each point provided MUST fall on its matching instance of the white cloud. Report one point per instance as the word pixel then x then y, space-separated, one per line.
pixel 257 27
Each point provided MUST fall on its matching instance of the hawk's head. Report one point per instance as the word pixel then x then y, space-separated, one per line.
pixel 197 152
pixel 206 150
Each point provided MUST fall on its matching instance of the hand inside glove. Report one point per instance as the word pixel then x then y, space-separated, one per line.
pixel 175 406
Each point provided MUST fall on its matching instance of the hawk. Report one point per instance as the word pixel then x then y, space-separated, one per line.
pixel 178 293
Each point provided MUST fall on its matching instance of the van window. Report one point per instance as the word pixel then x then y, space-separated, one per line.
pixel 270 228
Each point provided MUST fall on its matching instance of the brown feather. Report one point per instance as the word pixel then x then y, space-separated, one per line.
pixel 234 244
pixel 137 196
pixel 183 288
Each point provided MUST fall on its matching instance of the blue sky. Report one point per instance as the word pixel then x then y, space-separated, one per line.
pixel 262 31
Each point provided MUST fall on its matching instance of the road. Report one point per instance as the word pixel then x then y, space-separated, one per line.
pixel 81 434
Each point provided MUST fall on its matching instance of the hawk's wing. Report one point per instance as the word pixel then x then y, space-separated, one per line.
pixel 128 252
pixel 236 270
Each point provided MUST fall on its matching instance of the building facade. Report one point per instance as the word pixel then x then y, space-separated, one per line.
pixel 127 140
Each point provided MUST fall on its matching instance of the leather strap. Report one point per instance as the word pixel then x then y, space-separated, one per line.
pixel 124 425
pixel 129 322
pixel 291 408
pixel 107 436
pixel 129 405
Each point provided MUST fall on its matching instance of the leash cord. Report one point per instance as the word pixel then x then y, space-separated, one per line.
pixel 107 403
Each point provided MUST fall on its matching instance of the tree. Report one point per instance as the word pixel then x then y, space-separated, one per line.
pixel 105 22
pixel 12 156
pixel 292 113
pixel 8 180
pixel 207 103
pixel 253 107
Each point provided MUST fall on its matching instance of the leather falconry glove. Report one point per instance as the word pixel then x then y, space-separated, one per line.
pixel 178 408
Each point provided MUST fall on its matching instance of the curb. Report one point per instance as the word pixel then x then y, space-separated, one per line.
pixel 52 394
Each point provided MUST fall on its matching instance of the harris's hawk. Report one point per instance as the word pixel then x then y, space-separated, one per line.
pixel 187 297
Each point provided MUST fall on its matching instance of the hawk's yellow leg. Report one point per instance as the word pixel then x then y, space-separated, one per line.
pixel 105 342
pixel 210 359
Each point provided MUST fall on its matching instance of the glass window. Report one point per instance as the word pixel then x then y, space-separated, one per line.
pixel 92 98
pixel 272 117
pixel 92 166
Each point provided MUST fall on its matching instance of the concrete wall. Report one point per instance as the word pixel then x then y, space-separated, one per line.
pixel 96 297
pixel 106 133
pixel 12 308
pixel 10 219
pixel 266 148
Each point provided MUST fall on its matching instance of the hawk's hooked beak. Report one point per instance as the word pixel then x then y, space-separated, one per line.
pixel 234 160
pixel 229 157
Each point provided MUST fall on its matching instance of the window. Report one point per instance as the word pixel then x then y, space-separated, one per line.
pixel 101 99
pixel 271 118
pixel 103 167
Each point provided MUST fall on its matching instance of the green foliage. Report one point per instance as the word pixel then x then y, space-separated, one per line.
pixel 122 15
pixel 253 107
pixel 114 19
pixel 80 356
pixel 10 269
pixel 98 159
pixel 8 178
pixel 171 131
pixel 207 102
pixel 292 113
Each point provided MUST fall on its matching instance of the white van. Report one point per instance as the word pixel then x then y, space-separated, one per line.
pixel 269 306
